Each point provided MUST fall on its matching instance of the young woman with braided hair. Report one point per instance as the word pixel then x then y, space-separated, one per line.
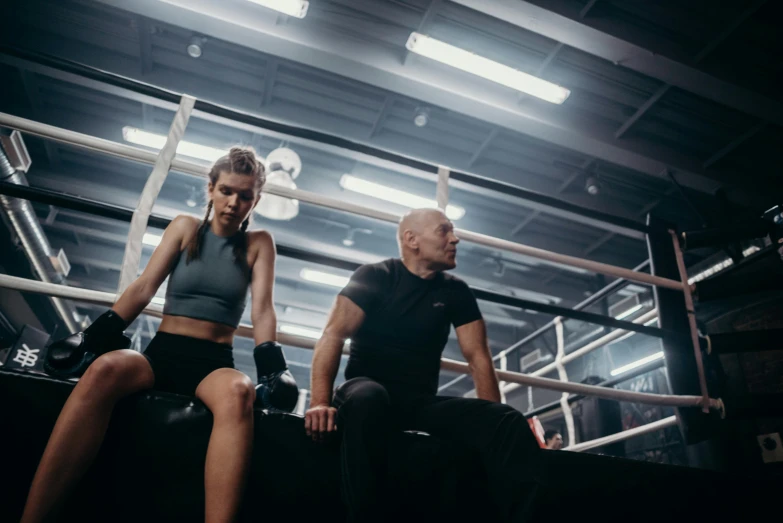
pixel 210 265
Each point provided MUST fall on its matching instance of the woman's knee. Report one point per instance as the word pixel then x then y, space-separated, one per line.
pixel 118 371
pixel 233 398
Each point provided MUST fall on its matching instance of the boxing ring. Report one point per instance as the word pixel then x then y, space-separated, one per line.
pixel 680 329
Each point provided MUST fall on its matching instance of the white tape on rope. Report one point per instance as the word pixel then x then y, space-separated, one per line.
pixel 564 405
pixel 132 257
pixel 442 189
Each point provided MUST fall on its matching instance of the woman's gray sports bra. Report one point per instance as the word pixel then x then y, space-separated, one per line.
pixel 213 287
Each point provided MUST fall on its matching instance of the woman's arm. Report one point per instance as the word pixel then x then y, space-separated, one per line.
pixel 262 308
pixel 139 293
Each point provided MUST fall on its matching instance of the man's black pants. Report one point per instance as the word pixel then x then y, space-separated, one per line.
pixel 367 412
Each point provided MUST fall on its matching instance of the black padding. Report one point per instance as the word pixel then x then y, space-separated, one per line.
pixel 151 469
pixel 151 466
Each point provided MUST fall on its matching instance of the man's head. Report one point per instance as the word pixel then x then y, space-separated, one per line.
pixel 427 236
pixel 553 440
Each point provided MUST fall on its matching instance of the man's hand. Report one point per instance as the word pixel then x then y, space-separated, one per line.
pixel 320 420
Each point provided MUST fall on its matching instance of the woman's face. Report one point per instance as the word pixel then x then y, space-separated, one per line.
pixel 233 198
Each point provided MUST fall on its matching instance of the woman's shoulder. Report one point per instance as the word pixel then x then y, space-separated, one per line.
pixel 184 226
pixel 261 239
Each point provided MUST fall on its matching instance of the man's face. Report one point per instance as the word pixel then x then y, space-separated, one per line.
pixel 438 243
pixel 556 443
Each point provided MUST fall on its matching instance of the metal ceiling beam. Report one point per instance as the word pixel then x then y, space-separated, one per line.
pixel 270 75
pixel 385 108
pixel 381 66
pixel 483 146
pixel 144 29
pixel 586 9
pixel 711 46
pixel 567 183
pixel 424 25
pixel 534 197
pixel 550 22
pixel 750 133
pixel 642 212
pixel 33 93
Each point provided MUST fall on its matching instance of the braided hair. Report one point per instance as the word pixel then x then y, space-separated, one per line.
pixel 239 160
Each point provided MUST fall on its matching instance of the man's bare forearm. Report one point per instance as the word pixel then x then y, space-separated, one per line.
pixel 326 361
pixel 486 380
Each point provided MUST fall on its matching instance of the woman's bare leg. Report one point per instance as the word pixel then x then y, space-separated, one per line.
pixel 229 395
pixel 81 426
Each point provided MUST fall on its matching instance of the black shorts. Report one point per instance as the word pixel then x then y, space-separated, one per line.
pixel 181 362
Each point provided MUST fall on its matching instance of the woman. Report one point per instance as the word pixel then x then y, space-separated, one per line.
pixel 211 264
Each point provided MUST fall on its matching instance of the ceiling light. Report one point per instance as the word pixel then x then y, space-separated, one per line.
pixel 195 46
pixel 278 207
pixel 157 300
pixel 592 186
pixel 150 239
pixel 637 364
pixel 304 332
pixel 296 8
pixel 721 265
pixel 157 141
pixel 486 68
pixel 422 117
pixel 284 159
pixel 627 313
pixel 192 200
pixel 382 192
pixel 324 278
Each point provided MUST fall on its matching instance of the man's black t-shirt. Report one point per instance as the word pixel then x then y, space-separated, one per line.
pixel 406 325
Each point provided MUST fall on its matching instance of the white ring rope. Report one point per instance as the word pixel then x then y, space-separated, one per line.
pixel 686 289
pixel 561 372
pixel 106 298
pixel 135 153
pixel 590 347
pixel 624 435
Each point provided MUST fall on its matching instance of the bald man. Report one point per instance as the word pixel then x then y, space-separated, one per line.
pixel 398 314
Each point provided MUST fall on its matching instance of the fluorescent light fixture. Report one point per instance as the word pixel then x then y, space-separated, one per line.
pixel 627 313
pixel 304 332
pixel 297 8
pixel 185 148
pixel 150 239
pixel 324 278
pixel 721 265
pixel 637 364
pixel 157 300
pixel 486 68
pixel 389 194
pixel 651 322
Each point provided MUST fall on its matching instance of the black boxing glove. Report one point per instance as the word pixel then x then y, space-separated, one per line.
pixel 276 390
pixel 70 357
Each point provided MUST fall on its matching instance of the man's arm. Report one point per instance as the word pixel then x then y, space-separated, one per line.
pixel 473 342
pixel 344 320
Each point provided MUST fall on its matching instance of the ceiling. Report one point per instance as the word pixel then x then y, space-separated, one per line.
pixel 661 92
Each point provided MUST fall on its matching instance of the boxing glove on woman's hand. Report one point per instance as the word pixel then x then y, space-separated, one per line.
pixel 69 357
pixel 276 390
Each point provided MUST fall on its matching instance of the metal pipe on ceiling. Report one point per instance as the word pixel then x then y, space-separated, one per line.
pixel 28 229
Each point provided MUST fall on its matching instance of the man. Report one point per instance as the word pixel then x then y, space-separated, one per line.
pixel 553 440
pixel 398 314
